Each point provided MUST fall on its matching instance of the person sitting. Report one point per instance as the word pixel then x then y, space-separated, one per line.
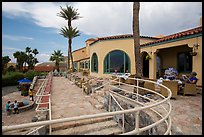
pixel 8 110
pixel 192 79
pixel 15 106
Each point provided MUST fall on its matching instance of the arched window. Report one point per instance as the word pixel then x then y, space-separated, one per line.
pixel 116 61
pixel 94 63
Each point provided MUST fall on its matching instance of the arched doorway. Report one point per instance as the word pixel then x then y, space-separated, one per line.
pixel 94 63
pixel 145 63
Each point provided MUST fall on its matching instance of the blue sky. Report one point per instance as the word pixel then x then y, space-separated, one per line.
pixel 36 24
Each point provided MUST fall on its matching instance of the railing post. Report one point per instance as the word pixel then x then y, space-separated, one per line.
pixel 119 80
pixel 137 122
pixel 137 88
pixel 109 84
pixel 109 108
pixel 50 126
pixel 123 122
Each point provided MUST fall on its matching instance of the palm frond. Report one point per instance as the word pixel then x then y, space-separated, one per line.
pixel 69 13
pixel 69 32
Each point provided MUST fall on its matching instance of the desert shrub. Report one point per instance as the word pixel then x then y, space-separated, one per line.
pixel 11 78
pixel 30 74
pixel 24 93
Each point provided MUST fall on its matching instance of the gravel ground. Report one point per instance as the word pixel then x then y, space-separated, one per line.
pixel 9 89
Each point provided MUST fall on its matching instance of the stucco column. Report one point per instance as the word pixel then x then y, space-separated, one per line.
pixel 196 60
pixel 152 65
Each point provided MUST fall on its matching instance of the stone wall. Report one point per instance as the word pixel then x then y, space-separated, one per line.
pixel 129 125
pixel 41 116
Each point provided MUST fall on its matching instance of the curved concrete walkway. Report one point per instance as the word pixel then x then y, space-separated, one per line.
pixel 68 100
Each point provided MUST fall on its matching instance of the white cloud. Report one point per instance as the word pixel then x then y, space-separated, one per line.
pixel 168 17
pixel 16 38
pixel 104 18
pixel 112 18
pixel 43 57
pixel 11 49
pixel 8 51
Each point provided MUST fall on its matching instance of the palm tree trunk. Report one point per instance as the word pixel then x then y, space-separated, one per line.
pixel 72 60
pixel 69 45
pixel 136 35
pixel 70 51
pixel 57 65
pixel 69 23
pixel 70 48
pixel 68 61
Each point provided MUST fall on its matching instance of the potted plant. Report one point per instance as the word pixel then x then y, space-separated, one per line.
pixel 147 57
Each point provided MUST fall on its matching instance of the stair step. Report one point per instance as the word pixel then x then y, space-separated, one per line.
pixel 80 123
pixel 88 129
pixel 100 99
pixel 95 103
pixel 107 131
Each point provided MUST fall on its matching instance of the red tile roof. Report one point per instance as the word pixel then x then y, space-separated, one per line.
pixel 119 37
pixel 79 49
pixel 44 68
pixel 176 35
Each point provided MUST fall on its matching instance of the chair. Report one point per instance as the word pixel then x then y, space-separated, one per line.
pixel 190 89
pixel 86 88
pixel 80 81
pixel 130 81
pixel 114 82
pixel 150 86
pixel 172 85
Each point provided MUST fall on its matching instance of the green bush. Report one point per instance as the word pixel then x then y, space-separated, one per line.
pixel 11 78
pixel 30 74
pixel 24 93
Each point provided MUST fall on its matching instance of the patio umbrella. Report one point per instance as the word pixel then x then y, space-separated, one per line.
pixel 25 80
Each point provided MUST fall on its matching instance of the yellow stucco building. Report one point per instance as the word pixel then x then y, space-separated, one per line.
pixel 105 55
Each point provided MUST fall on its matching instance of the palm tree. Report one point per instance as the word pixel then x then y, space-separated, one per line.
pixel 5 60
pixel 57 56
pixel 31 60
pixel 35 52
pixel 69 14
pixel 70 34
pixel 21 59
pixel 28 51
pixel 136 36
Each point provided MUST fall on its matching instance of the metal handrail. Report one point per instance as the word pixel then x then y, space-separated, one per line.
pixel 123 116
pixel 135 110
pixel 168 98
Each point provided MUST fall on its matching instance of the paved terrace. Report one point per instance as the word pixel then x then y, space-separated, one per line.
pixel 68 100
